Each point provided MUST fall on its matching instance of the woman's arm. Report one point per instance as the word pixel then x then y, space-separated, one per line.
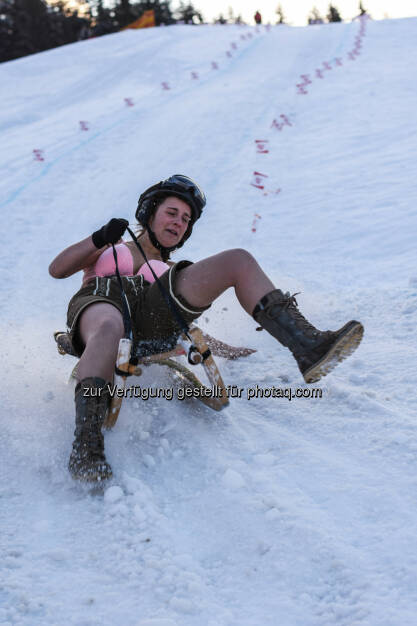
pixel 87 251
pixel 75 258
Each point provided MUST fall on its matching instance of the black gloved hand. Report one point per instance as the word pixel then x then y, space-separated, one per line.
pixel 110 232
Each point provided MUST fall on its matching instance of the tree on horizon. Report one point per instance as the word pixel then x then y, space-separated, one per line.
pixel 333 14
pixel 30 26
pixel 187 13
pixel 362 11
pixel 220 20
pixel 280 13
pixel 315 17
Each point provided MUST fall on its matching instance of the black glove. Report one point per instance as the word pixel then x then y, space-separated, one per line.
pixel 110 232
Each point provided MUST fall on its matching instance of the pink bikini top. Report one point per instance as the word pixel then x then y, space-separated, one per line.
pixel 105 265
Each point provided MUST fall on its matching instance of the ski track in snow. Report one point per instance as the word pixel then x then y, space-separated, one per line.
pixel 296 513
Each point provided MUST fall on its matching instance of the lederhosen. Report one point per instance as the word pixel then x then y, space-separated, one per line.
pixel 153 325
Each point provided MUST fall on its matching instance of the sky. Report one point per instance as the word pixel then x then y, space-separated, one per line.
pixel 296 12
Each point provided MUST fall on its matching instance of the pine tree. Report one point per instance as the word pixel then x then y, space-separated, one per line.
pixel 124 13
pixel 6 29
pixel 162 11
pixel 67 24
pixel 361 9
pixel 29 28
pixel 103 22
pixel 281 16
pixel 333 14
pixel 315 17
pixel 187 13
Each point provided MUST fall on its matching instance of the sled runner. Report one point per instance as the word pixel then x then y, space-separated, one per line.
pixel 214 397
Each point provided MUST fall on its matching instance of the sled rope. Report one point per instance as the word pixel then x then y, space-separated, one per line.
pixel 171 304
pixel 127 320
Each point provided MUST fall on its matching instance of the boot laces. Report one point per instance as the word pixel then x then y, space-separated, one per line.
pixel 291 304
pixel 291 301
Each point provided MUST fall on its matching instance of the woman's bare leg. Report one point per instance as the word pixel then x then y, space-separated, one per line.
pixel 201 283
pixel 316 352
pixel 101 328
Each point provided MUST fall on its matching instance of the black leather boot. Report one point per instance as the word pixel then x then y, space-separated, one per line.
pixel 316 352
pixel 87 461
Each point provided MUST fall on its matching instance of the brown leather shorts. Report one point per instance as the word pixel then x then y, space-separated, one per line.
pixel 154 327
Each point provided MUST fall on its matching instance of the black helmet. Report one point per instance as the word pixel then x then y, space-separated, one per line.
pixel 177 185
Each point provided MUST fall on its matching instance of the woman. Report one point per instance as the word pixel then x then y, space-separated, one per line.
pixel 167 212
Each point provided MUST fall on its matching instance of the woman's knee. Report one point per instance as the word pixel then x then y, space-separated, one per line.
pixel 239 259
pixel 240 254
pixel 101 324
pixel 110 327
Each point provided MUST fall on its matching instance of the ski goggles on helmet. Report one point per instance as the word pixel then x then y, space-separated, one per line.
pixel 180 186
pixel 179 182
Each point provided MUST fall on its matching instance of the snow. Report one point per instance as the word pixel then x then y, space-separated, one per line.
pixel 275 511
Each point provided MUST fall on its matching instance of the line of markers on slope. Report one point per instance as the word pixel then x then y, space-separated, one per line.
pixel 262 145
pixel 260 180
pixel 39 154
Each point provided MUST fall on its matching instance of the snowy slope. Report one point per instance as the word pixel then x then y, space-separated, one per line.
pixel 273 512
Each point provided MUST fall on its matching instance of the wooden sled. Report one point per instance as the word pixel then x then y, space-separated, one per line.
pixel 214 397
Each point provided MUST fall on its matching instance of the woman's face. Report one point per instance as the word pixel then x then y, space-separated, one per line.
pixel 170 221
